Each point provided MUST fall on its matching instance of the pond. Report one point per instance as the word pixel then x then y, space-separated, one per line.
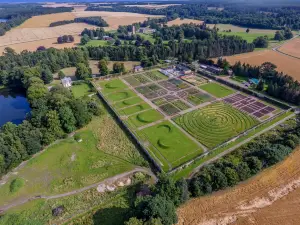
pixel 13 107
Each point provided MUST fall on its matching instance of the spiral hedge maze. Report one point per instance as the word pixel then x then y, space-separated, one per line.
pixel 215 124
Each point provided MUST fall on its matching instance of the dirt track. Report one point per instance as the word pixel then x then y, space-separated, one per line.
pixel 272 197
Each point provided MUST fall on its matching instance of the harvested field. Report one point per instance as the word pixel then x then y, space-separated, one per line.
pixel 291 48
pixel 179 21
pixel 114 19
pixel 152 6
pixel 284 63
pixel 45 20
pixel 33 45
pixel 233 28
pixel 22 35
pixel 272 197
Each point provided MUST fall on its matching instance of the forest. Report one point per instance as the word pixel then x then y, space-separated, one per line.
pixel 92 20
pixel 16 14
pixel 263 17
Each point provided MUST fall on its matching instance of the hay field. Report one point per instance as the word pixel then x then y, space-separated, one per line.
pixel 291 48
pixel 114 19
pixel 45 20
pixel 178 21
pixel 152 6
pixel 234 28
pixel 284 63
pixel 272 197
pixel 21 35
pixel 48 43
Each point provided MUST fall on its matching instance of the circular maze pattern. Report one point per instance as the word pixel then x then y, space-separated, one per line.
pixel 216 123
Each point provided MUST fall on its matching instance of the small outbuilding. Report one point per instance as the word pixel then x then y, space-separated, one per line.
pixel 138 69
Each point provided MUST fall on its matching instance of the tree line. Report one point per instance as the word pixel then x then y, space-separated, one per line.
pixel 273 17
pixel 16 14
pixel 279 85
pixel 92 20
pixel 65 39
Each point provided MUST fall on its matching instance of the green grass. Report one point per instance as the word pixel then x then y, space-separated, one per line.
pixel 170 142
pixel 134 109
pixel 184 173
pixel 113 85
pixel 16 185
pixel 121 95
pixel 144 118
pixel 81 90
pixel 249 37
pixel 215 123
pixel 239 79
pixel 127 102
pixel 217 90
pixel 148 37
pixel 95 43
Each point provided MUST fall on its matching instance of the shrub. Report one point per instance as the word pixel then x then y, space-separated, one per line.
pixel 16 184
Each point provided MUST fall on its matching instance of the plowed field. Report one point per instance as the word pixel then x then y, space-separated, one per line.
pixel 272 197
pixel 291 48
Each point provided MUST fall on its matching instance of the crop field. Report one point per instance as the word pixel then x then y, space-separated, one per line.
pixel 194 80
pixel 164 112
pixel 216 123
pixel 179 22
pixel 217 90
pixel 291 48
pixel 233 28
pixel 285 64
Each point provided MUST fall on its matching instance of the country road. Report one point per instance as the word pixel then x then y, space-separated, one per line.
pixel 238 145
pixel 108 180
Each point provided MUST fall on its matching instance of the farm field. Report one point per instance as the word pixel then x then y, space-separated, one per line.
pixel 147 102
pixel 179 21
pixel 233 28
pixel 271 197
pixel 249 37
pixel 217 90
pixel 291 48
pixel 70 165
pixel 152 6
pixel 285 64
pixel 216 123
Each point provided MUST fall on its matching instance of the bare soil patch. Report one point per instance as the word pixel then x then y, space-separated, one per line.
pixel 272 197
pixel 285 64
pixel 114 19
pixel 291 48
pixel 179 21
pixel 45 20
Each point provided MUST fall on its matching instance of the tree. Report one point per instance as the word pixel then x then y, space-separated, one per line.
pixel 134 221
pixel 53 124
pixel 261 85
pixel 103 68
pixel 219 180
pixel 232 176
pixel 243 171
pixel 248 30
pixel 70 38
pixel 82 71
pixel 36 91
pixel 118 67
pixel 279 36
pixel 118 42
pixel 41 48
pixel 47 76
pixel 81 113
pixel 67 119
pixel 255 165
pixel 65 38
pixel 61 74
pixel 159 207
pixel 261 42
pixel 85 39
pixel 60 40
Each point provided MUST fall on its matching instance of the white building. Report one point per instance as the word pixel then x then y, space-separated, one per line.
pixel 66 82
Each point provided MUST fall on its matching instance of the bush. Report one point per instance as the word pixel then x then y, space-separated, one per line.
pixel 16 184
pixel 77 137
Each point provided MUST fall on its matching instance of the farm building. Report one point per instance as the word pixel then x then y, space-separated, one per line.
pixel 184 70
pixel 212 69
pixel 107 38
pixel 66 82
pixel 138 69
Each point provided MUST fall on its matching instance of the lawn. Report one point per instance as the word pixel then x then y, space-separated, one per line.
pixel 170 143
pixel 215 124
pixel 217 90
pixel 95 43
pixel 127 102
pixel 81 90
pixel 134 109
pixel 144 118
pixel 114 85
pixel 148 37
pixel 249 37
pixel 120 95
